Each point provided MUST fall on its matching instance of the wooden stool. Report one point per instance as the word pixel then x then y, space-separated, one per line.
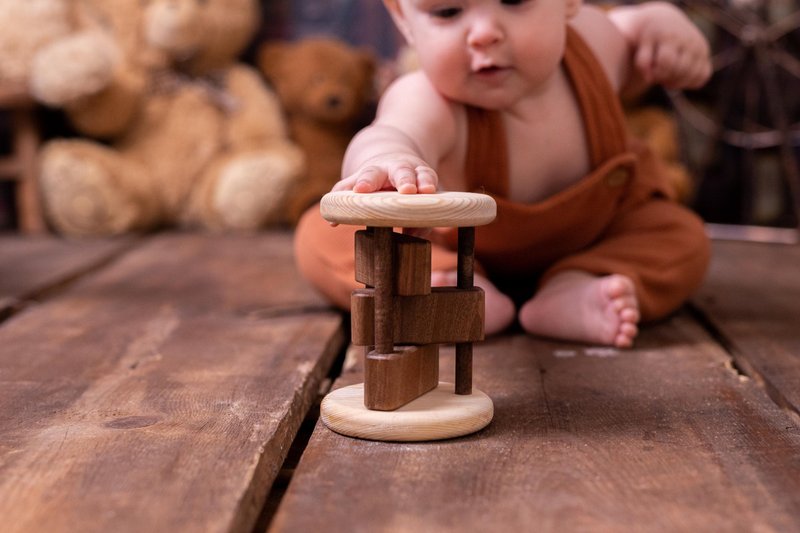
pixel 20 165
pixel 404 320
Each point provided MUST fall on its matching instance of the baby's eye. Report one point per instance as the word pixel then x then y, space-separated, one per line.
pixel 445 12
pixel 512 2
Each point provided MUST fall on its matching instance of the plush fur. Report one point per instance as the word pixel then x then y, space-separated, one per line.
pixel 175 130
pixel 28 26
pixel 658 128
pixel 327 90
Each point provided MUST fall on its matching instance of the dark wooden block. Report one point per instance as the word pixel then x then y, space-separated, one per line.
pixel 446 315
pixel 412 262
pixel 392 380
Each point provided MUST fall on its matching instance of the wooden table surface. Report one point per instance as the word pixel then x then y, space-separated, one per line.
pixel 157 384
pixel 160 388
pixel 696 429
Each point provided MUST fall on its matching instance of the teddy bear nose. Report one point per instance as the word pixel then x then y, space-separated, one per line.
pixel 334 101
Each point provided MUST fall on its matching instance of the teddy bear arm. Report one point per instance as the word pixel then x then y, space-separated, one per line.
pixel 258 116
pixel 112 110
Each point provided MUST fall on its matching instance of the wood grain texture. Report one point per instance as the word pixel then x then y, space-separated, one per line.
pixel 439 414
pixel 445 315
pixel 154 395
pixel 383 294
pixel 752 298
pixel 31 267
pixel 392 209
pixel 392 380
pixel 664 437
pixel 412 262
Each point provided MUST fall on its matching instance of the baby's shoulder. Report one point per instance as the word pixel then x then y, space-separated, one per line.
pixel 414 85
pixel 605 40
pixel 414 95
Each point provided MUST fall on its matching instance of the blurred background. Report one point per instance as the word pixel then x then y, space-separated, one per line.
pixel 738 139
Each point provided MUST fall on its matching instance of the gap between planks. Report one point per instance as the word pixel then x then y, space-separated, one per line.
pixel 740 365
pixel 301 440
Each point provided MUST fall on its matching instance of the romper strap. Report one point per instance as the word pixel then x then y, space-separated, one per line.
pixel 603 118
pixel 486 165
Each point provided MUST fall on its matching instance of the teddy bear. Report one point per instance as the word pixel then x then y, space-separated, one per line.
pixel 174 130
pixel 657 127
pixel 327 92
pixel 28 27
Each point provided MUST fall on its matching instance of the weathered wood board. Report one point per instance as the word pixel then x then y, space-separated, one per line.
pixel 752 299
pixel 31 266
pixel 664 437
pixel 161 393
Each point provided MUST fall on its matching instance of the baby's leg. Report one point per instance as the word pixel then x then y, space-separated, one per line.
pixel 499 307
pixel 579 306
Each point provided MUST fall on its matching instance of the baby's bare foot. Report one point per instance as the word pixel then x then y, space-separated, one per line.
pixel 499 307
pixel 581 307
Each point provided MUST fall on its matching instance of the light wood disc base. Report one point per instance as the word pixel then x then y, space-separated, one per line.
pixel 438 414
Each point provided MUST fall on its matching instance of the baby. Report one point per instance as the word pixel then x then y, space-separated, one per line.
pixel 518 99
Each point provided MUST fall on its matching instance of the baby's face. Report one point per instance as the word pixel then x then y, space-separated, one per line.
pixel 487 53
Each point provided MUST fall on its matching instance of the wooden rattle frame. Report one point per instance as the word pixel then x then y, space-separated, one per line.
pixel 402 319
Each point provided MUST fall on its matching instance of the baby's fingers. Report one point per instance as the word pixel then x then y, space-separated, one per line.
pixel 404 179
pixel 369 179
pixel 411 180
pixel 427 180
pixel 645 59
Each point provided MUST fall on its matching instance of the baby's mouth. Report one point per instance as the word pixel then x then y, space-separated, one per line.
pixel 486 68
pixel 490 71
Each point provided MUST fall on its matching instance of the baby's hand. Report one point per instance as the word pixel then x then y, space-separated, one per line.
pixel 670 50
pixel 404 172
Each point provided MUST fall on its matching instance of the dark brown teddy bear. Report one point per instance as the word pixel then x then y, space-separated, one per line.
pixel 327 90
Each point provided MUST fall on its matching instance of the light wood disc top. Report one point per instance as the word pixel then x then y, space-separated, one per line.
pixel 438 414
pixel 395 210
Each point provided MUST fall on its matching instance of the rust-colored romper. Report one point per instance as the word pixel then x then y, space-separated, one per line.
pixel 619 219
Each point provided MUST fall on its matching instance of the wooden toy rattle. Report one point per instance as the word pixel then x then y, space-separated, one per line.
pixel 403 320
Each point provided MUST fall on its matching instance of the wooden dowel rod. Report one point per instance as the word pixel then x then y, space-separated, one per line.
pixel 464 368
pixel 382 268
pixel 466 279
pixel 466 257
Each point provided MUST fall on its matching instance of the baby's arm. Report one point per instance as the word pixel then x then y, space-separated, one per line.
pixel 668 48
pixel 414 129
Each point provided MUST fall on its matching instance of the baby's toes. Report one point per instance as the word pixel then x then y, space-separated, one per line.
pixel 627 332
pixel 629 315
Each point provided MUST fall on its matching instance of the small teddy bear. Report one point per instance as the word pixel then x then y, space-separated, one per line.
pixel 658 129
pixel 176 130
pixel 327 91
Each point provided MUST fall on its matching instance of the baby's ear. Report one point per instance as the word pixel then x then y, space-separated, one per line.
pixel 399 19
pixel 573 6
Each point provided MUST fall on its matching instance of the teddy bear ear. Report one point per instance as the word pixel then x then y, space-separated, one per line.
pixel 270 58
pixel 368 61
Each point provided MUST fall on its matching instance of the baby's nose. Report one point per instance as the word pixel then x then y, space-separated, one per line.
pixel 484 31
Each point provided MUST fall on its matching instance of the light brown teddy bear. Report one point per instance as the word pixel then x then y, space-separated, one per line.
pixel 192 137
pixel 327 90
pixel 28 26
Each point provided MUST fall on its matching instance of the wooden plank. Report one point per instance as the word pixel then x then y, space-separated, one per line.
pixel 752 299
pixel 412 262
pixel 155 396
pixel 664 437
pixel 392 380
pixel 446 314
pixel 32 266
